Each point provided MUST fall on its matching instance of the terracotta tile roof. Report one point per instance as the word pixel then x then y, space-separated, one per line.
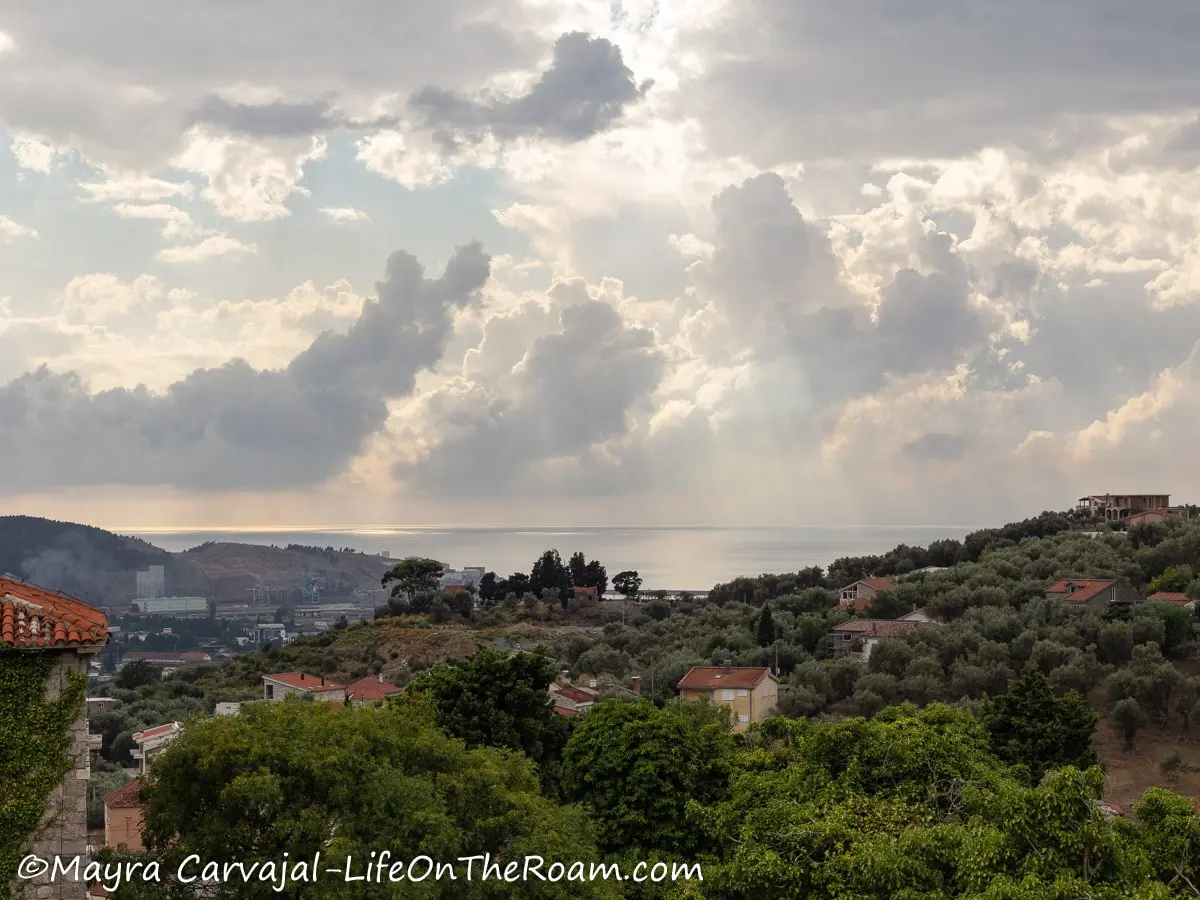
pixel 878 584
pixel 1085 588
pixel 1170 597
pixel 124 797
pixel 32 618
pixel 710 678
pixel 156 731
pixel 858 604
pixel 371 688
pixel 314 683
pixel 882 627
pixel 565 711
pixel 575 695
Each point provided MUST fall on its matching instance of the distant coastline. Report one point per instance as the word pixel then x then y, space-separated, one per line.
pixel 673 558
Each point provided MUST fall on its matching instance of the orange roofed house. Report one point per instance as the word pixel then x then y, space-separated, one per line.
pixel 287 684
pixel 1092 593
pixel 858 637
pixel 370 690
pixel 70 633
pixel 858 596
pixel 123 817
pixel 751 692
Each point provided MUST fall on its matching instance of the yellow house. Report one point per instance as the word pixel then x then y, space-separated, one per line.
pixel 751 692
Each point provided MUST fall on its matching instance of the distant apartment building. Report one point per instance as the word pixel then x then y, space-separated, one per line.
pixel 858 596
pixel 1118 507
pixel 151 583
pixel 750 692
pixel 172 606
pixel 1092 593
pixel 153 741
pixel 288 684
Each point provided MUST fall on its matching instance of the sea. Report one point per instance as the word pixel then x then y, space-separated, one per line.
pixel 667 558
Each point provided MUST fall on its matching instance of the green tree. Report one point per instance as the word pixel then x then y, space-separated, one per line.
pixel 495 699
pixel 413 575
pixel 1128 718
pixel 596 576
pixel 550 572
pixel 578 567
pixel 1030 725
pixel 298 778
pixel 765 631
pixel 635 767
pixel 491 589
pixel 137 673
pixel 1174 580
pixel 628 583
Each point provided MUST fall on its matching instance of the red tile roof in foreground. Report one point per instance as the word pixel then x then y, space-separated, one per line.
pixel 124 797
pixel 371 688
pixel 565 711
pixel 32 618
pixel 1085 588
pixel 710 678
pixel 1170 597
pixel 303 682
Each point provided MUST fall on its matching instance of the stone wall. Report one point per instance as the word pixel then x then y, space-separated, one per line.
pixel 63 830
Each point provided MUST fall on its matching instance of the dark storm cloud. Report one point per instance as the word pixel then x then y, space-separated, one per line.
pixel 235 426
pixel 585 91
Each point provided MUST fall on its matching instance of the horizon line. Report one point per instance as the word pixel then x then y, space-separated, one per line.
pixel 284 529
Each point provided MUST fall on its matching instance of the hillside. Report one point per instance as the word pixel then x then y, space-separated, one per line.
pixel 231 569
pixel 99 567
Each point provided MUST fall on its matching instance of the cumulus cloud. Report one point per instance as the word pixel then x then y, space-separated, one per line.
pixel 523 414
pixel 10 230
pixel 34 154
pixel 345 214
pixel 234 425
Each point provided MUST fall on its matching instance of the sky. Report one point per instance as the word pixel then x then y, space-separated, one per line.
pixel 596 261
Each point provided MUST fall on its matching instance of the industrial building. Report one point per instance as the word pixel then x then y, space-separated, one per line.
pixel 152 583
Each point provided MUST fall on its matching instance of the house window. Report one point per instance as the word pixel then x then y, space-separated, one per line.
pixel 743 719
pixel 726 694
pixel 742 692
